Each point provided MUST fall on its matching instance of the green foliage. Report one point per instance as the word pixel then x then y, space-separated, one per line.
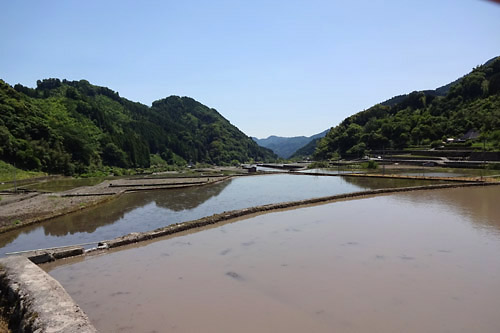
pixel 7 172
pixel 157 161
pixel 306 150
pixel 74 127
pixel 494 166
pixel 370 165
pixel 422 118
pixel 318 165
pixel 436 143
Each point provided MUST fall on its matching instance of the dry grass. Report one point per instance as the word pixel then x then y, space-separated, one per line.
pixel 4 326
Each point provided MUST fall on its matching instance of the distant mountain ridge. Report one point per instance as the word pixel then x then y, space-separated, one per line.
pixel 285 147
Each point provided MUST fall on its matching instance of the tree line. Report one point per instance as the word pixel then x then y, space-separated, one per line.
pixel 73 126
pixel 422 118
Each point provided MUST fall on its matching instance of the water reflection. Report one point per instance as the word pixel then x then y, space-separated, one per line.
pixel 406 262
pixel 144 211
pixel 175 200
pixel 92 219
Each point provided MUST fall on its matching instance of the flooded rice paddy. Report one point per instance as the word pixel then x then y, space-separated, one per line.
pixel 424 261
pixel 145 211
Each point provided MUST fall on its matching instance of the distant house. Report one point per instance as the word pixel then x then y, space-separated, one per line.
pixel 470 135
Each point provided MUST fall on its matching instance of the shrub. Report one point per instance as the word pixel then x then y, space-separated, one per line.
pixel 315 165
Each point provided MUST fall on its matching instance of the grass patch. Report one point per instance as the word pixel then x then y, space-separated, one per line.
pixel 7 173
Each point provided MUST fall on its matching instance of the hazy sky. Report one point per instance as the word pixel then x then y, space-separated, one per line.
pixel 270 67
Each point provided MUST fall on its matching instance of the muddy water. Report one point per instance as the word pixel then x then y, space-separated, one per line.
pixel 144 211
pixel 411 262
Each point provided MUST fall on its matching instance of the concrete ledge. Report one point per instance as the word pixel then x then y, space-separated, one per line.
pixel 35 302
pixel 47 255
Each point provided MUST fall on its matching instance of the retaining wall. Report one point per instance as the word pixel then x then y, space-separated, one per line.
pixel 34 302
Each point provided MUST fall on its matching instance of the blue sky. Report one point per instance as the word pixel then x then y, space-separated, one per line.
pixel 286 68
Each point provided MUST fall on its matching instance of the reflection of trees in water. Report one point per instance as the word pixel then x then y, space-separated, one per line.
pixel 189 198
pixel 9 237
pixel 372 183
pixel 90 219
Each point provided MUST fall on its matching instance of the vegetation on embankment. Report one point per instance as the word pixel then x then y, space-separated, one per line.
pixel 7 172
pixel 424 118
pixel 73 127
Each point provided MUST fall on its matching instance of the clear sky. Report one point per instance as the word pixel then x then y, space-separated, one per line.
pixel 286 68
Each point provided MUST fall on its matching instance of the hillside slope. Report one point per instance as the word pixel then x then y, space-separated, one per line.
pixel 73 127
pixel 285 147
pixel 419 118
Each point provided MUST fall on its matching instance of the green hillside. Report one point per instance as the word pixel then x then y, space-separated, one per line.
pixel 423 118
pixel 285 147
pixel 73 127
pixel 306 150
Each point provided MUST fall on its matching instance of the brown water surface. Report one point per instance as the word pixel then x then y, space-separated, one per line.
pixel 424 261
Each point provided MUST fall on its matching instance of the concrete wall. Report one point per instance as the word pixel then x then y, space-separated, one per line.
pixel 34 302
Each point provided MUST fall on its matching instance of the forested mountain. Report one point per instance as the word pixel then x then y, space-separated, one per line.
pixel 286 146
pixel 308 149
pixel 73 126
pixel 419 118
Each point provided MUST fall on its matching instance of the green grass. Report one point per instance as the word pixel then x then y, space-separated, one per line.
pixel 490 146
pixel 7 173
